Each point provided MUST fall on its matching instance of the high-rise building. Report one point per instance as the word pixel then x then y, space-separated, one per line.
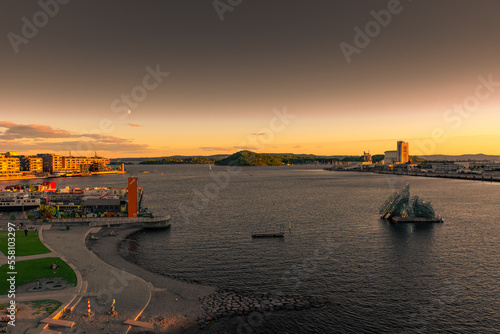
pixel 403 152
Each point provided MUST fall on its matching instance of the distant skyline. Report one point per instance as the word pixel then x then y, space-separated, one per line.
pixel 137 79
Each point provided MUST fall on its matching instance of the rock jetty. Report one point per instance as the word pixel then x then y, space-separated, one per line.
pixel 229 303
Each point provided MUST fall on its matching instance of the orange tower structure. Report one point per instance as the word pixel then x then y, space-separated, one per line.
pixel 132 197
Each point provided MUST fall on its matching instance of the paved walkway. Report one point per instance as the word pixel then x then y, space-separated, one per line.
pixel 26 323
pixel 104 283
pixel 101 284
pixel 3 258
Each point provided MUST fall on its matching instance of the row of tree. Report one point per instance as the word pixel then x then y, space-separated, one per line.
pixel 173 161
pixel 249 158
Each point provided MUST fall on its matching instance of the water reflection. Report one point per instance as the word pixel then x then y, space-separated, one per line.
pixel 407 229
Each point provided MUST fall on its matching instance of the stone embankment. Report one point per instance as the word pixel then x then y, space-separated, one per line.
pixel 227 303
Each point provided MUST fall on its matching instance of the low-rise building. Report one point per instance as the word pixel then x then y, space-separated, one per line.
pixel 51 163
pixel 9 165
pixel 58 164
pixel 31 163
pixel 444 167
pixel 486 165
pixel 390 157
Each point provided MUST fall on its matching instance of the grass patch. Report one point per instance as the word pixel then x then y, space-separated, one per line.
pixel 39 307
pixel 25 244
pixel 46 306
pixel 30 271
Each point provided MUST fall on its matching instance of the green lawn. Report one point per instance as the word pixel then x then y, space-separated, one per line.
pixel 31 270
pixel 25 245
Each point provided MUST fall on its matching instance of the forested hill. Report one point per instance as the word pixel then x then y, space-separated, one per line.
pixel 248 158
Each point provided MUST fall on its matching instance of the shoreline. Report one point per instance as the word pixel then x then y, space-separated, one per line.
pixel 465 177
pixel 33 177
pixel 175 305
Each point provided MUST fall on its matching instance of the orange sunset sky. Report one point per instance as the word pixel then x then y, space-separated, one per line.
pixel 430 77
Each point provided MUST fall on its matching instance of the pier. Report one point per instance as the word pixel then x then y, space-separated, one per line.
pixel 268 235
pixel 457 176
pixel 120 222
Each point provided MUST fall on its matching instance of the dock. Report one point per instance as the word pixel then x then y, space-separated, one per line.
pixel 268 235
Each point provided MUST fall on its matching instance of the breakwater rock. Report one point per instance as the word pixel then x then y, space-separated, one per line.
pixel 228 303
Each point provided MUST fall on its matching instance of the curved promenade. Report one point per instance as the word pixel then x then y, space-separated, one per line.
pixel 103 283
pixel 167 306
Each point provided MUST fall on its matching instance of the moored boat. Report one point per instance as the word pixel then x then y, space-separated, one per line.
pixel 17 201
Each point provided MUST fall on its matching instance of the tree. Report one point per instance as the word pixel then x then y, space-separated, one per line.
pixel 47 211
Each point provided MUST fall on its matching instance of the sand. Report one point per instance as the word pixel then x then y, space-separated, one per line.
pixel 174 306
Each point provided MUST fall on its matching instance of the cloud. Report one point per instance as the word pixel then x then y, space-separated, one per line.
pixel 297 146
pixel 19 131
pixel 44 138
pixel 211 148
pixel 258 134
pixel 134 125
pixel 37 131
pixel 226 148
pixel 245 147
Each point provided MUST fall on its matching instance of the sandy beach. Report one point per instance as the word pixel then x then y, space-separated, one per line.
pixel 174 306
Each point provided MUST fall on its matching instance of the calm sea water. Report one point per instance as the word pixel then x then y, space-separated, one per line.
pixel 441 278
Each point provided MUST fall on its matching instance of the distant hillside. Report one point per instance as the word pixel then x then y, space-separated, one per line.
pixel 184 157
pixel 463 157
pixel 248 158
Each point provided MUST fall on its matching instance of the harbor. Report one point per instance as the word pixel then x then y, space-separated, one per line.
pixel 15 166
pixel 31 205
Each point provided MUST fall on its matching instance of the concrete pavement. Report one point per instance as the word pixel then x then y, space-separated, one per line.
pixel 105 283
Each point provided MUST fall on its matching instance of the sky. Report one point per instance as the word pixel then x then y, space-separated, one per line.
pixel 160 78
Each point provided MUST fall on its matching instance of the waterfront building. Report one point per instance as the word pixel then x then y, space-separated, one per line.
pixel 83 164
pixel 400 156
pixel 486 165
pixel 9 165
pixel 58 164
pixel 31 163
pixel 390 157
pixel 51 163
pixel 403 152
pixel 444 167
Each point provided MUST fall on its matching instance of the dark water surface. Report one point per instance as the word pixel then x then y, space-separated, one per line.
pixel 441 278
